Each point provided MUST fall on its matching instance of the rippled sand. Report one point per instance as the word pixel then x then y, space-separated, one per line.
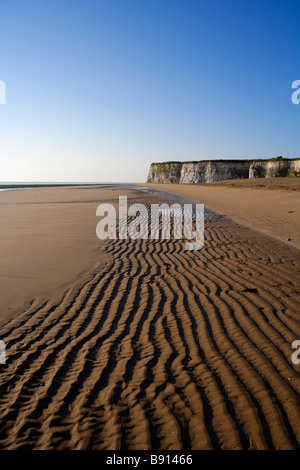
pixel 161 348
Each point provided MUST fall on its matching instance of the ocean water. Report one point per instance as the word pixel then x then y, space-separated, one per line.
pixel 5 183
pixel 14 184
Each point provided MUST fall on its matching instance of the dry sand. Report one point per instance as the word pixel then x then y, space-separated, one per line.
pixel 159 348
pixel 271 205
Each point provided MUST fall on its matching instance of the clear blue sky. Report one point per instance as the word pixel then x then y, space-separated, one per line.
pixel 97 90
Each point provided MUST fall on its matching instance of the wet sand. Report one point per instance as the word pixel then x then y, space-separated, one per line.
pixel 159 348
pixel 48 243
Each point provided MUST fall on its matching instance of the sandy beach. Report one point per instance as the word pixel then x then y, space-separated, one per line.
pixel 141 344
pixel 269 205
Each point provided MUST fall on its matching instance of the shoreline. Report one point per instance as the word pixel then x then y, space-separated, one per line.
pixel 57 185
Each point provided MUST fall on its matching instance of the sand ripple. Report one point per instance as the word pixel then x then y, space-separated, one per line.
pixel 162 349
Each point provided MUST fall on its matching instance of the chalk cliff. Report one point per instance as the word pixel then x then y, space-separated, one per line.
pixel 274 168
pixel 215 170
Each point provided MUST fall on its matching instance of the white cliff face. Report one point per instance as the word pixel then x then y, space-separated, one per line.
pixel 211 171
pixel 164 173
pixel 208 172
pixel 295 167
pixel 273 169
pixel 193 172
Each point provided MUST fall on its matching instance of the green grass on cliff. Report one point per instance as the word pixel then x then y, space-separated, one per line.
pixel 275 159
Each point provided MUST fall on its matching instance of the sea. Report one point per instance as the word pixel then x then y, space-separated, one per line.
pixel 17 184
